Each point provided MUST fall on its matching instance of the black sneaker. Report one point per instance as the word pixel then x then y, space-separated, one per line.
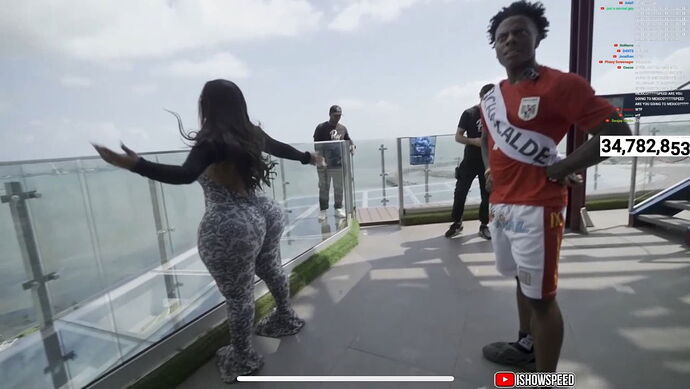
pixel 484 232
pixel 509 354
pixel 453 230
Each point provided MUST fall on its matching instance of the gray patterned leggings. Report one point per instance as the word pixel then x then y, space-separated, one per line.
pixel 238 238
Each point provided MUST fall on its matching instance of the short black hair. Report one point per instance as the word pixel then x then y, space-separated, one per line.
pixel 334 109
pixel 485 89
pixel 534 11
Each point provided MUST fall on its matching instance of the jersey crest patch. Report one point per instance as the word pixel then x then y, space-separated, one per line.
pixel 529 107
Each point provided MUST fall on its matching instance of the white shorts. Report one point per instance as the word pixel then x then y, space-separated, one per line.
pixel 527 242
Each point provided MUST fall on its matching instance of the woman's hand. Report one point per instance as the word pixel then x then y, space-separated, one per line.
pixel 125 161
pixel 317 160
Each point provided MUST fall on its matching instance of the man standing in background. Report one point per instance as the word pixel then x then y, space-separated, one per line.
pixel 331 130
pixel 469 133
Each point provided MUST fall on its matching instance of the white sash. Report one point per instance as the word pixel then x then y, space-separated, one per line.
pixel 522 145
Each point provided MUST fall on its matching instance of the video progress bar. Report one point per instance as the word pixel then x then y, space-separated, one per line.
pixel 317 378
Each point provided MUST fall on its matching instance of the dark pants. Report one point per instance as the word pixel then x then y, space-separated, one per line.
pixel 325 177
pixel 465 174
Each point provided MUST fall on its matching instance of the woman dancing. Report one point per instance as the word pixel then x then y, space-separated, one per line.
pixel 239 234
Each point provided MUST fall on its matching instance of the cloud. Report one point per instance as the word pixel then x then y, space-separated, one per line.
pixel 144 89
pixel 464 95
pixel 368 106
pixel 5 105
pixel 70 130
pixel 354 104
pixel 134 29
pixel 222 65
pixel 349 18
pixel 52 138
pixel 71 81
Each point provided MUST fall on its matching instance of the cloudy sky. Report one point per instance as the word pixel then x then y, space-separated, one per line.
pixel 75 71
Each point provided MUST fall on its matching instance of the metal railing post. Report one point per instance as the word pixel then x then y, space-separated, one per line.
pixel 171 284
pixel 401 189
pixel 383 149
pixel 284 184
pixel 633 168
pixel 427 196
pixel 273 179
pixel 16 197
pixel 347 178
pixel 651 161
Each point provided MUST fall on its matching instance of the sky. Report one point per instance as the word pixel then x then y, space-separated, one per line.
pixel 80 71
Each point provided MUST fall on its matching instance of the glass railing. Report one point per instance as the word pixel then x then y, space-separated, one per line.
pixel 655 173
pixel 375 164
pixel 99 263
pixel 428 183
pixel 432 185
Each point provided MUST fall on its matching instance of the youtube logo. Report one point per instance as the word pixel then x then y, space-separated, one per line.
pixel 504 379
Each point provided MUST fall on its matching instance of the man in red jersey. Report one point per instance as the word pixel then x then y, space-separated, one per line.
pixel 525 117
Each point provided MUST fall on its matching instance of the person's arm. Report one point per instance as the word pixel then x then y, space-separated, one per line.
pixel 589 113
pixel 589 153
pixel 466 120
pixel 484 144
pixel 461 138
pixel 282 150
pixel 199 158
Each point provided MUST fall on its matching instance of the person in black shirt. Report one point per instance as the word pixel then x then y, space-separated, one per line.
pixel 239 234
pixel 471 166
pixel 331 130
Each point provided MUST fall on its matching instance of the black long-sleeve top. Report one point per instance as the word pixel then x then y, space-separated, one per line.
pixel 204 154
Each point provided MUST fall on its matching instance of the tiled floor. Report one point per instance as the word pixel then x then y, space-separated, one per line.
pixel 408 301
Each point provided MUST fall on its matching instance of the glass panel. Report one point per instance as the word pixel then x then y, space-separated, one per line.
pixel 434 184
pixel 303 229
pixel 368 169
pixel 124 223
pixel 17 313
pixel 653 174
pixel 657 173
pixel 22 364
pixel 124 283
pixel 60 223
pixel 184 207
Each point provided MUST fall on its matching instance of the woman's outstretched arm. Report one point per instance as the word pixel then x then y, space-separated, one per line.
pixel 282 150
pixel 199 158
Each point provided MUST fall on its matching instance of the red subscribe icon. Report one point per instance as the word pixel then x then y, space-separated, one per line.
pixel 504 379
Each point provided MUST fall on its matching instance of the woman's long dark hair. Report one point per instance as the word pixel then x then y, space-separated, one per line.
pixel 225 124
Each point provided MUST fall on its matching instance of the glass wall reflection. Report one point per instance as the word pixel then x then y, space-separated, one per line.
pixel 114 266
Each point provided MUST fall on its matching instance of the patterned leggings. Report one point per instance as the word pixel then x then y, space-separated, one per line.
pixel 238 238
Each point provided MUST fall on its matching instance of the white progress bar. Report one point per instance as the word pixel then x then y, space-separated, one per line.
pixel 317 378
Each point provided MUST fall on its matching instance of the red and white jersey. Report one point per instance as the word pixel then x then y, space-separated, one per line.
pixel 548 105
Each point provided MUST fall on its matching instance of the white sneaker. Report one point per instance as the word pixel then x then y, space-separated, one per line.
pixel 339 212
pixel 322 215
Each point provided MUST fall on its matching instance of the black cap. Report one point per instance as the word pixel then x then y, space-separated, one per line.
pixel 335 109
